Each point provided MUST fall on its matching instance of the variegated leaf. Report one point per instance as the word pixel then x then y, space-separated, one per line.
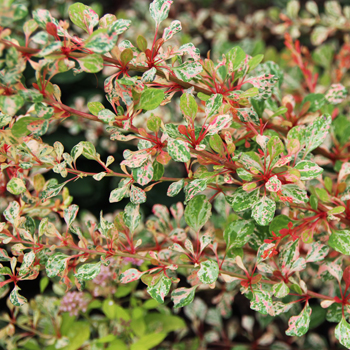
pixel 342 333
pixel 317 252
pixel 130 275
pixel 143 174
pixel 308 170
pixel 160 289
pixel 132 216
pixel 299 325
pixel 295 194
pixel 212 105
pixel 208 272
pixel 88 272
pixel 183 296
pixel 159 10
pixel 242 200
pixel 187 71
pixel 178 150
pixel 15 298
pixel 264 211
pixel 170 31
pixel 137 195
pixel 175 188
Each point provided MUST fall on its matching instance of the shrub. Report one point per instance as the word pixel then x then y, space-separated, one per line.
pixel 262 163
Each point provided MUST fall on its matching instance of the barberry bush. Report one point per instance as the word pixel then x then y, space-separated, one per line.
pixel 258 155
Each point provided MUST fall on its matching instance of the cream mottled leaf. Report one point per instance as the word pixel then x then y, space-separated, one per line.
pixel 16 186
pixel 159 10
pixel 342 333
pixel 15 298
pixel 264 211
pixel 132 216
pixel 88 272
pixel 178 150
pixel 340 241
pixel 208 272
pixel 188 70
pixel 160 289
pixel 175 188
pixel 242 200
pixel 183 296
pixel 130 275
pixel 308 170
pixel 299 325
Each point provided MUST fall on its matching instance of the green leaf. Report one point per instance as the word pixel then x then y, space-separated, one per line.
pixel 254 62
pixel 150 99
pixel 316 101
pixel 154 123
pixel 197 212
pixel 160 289
pixel 278 223
pixel 342 333
pixel 208 272
pixel 188 106
pixel 83 16
pixel 78 333
pixel 88 272
pixel 141 43
pixel 299 325
pixel 178 150
pixel 149 341
pixel 92 63
pixel 16 186
pixel 159 10
pixel 15 298
pixel 158 171
pixel 242 200
pixel 308 170
pixel 237 233
pixel 183 296
pixel 264 211
pixel 275 147
pixel 234 58
pixel 132 216
pixel 216 144
pixel 340 241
